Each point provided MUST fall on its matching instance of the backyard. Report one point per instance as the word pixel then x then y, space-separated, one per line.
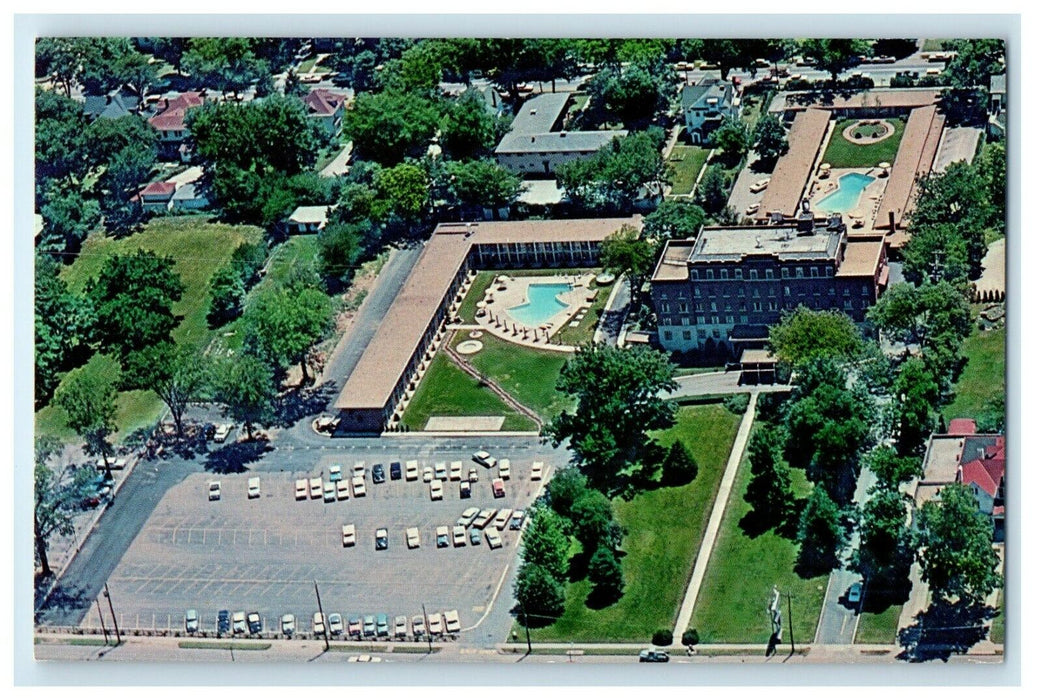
pixel 745 566
pixel 982 382
pixel 664 528
pixel 685 162
pixel 843 153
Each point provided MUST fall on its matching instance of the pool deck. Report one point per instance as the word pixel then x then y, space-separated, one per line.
pixel 820 188
pixel 508 291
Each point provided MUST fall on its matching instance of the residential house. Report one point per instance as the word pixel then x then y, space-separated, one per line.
pixel 188 198
pixel 116 104
pixel 155 197
pixel 706 105
pixel 997 106
pixel 169 121
pixel 308 219
pixel 326 107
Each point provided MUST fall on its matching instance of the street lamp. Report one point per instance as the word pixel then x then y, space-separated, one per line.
pixel 113 611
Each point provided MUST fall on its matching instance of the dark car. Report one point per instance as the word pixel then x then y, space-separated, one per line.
pixel 396 470
pixel 475 536
pixel 653 656
pixel 254 622
pixel 381 538
pixel 224 622
pixel 209 430
pixel 378 474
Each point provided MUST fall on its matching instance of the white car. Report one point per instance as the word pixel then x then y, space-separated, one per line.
pixel 318 624
pixel 537 471
pixel 504 469
pixel 459 536
pixel 401 627
pixel 301 489
pixel 484 518
pixel 752 208
pixel 434 623
pixel 191 621
pixel 214 491
pixel 358 469
pixel 412 470
pixel 468 517
pixel 452 625
pixel 239 623
pixel 441 536
pixel 484 459
pixel 343 490
pixel 502 518
pixel 347 534
pixel 428 474
pixel 289 624
pixel 316 487
pixel 441 472
pixel 358 486
pixel 328 492
pixel 760 185
pixel 436 492
pixel 494 540
pixel 335 473
pixel 222 431
pixel 456 471
pixel 253 487
pixel 412 538
pixel 336 624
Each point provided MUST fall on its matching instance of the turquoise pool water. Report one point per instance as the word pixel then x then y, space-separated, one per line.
pixel 846 197
pixel 541 305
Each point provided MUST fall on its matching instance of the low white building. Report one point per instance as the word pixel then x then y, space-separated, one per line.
pixel 308 219
pixel 706 105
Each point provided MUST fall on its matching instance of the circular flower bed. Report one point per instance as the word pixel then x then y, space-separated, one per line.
pixel 469 347
pixel 868 131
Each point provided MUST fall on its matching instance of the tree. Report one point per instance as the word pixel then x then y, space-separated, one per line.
pixel 713 190
pixel 110 63
pixel 732 139
pixel 564 489
pixel 60 59
pixel 612 178
pixel 991 167
pixel 770 140
pixel 246 386
pixel 805 334
pixel 67 219
pixel 892 469
pixel 729 54
pixel 177 374
pixel 403 190
pixel 975 61
pixel 633 96
pixel 923 314
pixel 770 489
pixel 57 495
pixel 133 298
pixel 62 327
pixel 340 249
pixel 484 183
pixel 538 593
pixel 953 540
pixel 624 252
pixel 283 323
pixel 592 522
pixel 89 401
pixel 225 63
pixel 679 466
pixel 618 395
pixel 936 252
pixel 469 129
pixel 545 544
pixel 820 532
pixel 606 575
pixel 674 218
pixel 62 151
pixel 835 55
pixel 884 534
pixel 387 127
pixel 916 395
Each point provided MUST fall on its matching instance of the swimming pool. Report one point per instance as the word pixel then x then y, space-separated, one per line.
pixel 846 197
pixel 542 304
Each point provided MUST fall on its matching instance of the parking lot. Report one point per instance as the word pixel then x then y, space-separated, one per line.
pixel 266 554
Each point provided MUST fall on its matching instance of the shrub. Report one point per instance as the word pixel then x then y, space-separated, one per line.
pixel 737 404
pixel 662 638
pixel 690 637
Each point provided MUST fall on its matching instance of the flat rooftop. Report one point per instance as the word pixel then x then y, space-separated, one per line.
pixel 915 157
pixel 861 258
pixel 557 141
pixel 672 266
pixel 721 244
pixel 540 113
pixel 884 98
pixel 793 169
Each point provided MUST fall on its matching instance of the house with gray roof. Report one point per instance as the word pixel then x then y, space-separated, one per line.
pixel 116 104
pixel 706 105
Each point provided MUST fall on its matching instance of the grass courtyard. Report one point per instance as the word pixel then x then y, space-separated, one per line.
pixel 983 379
pixel 841 153
pixel 745 566
pixel 664 529
pixel 685 162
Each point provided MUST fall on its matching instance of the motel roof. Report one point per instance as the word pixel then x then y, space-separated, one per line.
pixel 398 338
pixel 794 168
pixel 915 157
pixel 906 98
pixel 558 141
pixel 540 113
pixel 861 257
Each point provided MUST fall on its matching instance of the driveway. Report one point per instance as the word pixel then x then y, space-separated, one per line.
pixel 719 383
pixel 957 143
pixel 741 197
pixel 339 165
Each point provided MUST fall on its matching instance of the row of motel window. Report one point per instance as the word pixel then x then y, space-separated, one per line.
pixel 768 274
pixel 771 305
pixel 686 335
pixel 682 306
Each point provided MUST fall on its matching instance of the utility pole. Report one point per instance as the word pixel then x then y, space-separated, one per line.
pixel 104 630
pixel 528 637
pixel 427 628
pixel 325 628
pixel 792 640
pixel 113 611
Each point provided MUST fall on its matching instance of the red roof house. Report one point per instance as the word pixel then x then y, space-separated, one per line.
pixel 327 107
pixel 962 426
pixel 169 119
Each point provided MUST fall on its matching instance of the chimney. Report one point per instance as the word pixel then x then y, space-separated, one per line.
pixel 958 474
pixel 893 224
pixel 805 223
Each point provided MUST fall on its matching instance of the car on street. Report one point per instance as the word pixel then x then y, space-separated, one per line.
pixel 220 434
pixel 214 491
pixel 381 538
pixel 428 474
pixel 318 624
pixel 401 627
pixel 502 518
pixel 494 540
pixel 412 470
pixel 239 623
pixel 253 621
pixel 289 624
pixel 452 625
pixel 419 628
pixel 441 471
pixel 328 492
pixel 253 487
pixel 369 626
pixel 498 488
pixel 467 517
pixel 358 486
pixel 472 476
pixel 537 471
pixel 316 487
pixel 517 519
pixel 456 471
pixel 760 185
pixel 412 538
pixel 464 489
pixel 751 209
pixel 504 469
pixel 336 624
pixel 442 536
pixel 347 535
pixel 358 469
pixel 653 656
pixel 301 490
pixel 396 471
pixel 191 621
pixel 484 459
pixel 434 623
pixel 856 593
pixel 354 626
pixel 484 518
pixel 382 629
pixel 343 490
pixel 436 490
pixel 224 622
pixel 459 536
pixel 335 472
pixel 379 475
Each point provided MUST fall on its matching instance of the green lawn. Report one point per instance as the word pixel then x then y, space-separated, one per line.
pixel 841 153
pixel 530 375
pixel 998 624
pixel 878 628
pixel 932 45
pixel 664 528
pixel 448 391
pixel 983 378
pixel 686 162
pixel 732 603
pixel 588 325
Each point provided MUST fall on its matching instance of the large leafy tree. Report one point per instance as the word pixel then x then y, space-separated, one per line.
pixel 109 63
pixel 57 494
pixel 89 401
pixel 469 129
pixel 245 384
pixel 61 60
pixel 613 177
pixel 770 141
pixel 732 139
pixel 633 96
pixel 340 247
pixel 975 61
pixel 62 326
pixel 954 547
pixel 805 334
pixel 133 298
pixel 606 575
pixel 625 252
pixel 564 489
pixel 63 152
pixel 674 218
pixel 283 323
pixel 770 489
pixel 387 126
pixel 835 55
pixel 713 190
pixel 545 543
pixel 540 596
pixel 618 394
pixel 917 394
pixel 177 374
pixel 483 183
pixel 68 217
pixel 729 54
pixel 404 192
pixel 125 149
pixel 592 522
pixel 885 536
pixel 892 469
pixel 226 63
pixel 820 532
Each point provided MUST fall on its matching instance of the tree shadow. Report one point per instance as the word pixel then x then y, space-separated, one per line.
pixel 233 458
pixel 62 599
pixel 601 597
pixel 300 403
pixel 944 629
pixel 534 621
pixel 763 166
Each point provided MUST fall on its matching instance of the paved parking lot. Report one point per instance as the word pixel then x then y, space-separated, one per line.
pixel 266 554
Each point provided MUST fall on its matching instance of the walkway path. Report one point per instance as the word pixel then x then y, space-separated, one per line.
pixel 715 518
pixel 496 389
pixel 719 383
pixel 339 165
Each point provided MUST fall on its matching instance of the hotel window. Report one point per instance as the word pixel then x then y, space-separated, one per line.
pixel 727 307
pixel 685 321
pixel 715 320
pixel 698 291
pixel 716 332
pixel 694 274
pixel 744 319
pixel 799 272
pixel 663 294
pixel 665 307
pixel 709 274
pixel 700 320
pixel 668 335
pixel 712 306
pixel 787 292
pixel 756 292
pixel 738 274
pixel 701 333
pixel 752 274
pixel 769 274
pixel 774 305
pixel 814 271
pixel 686 335
pixel 756 306
pixel 683 307
pixel 785 273
pixel 864 290
pixel 832 291
pixel 723 274
pixel 847 305
pixel 741 291
pixel 741 307
pixel 846 292
pixel 699 306
pixel 729 319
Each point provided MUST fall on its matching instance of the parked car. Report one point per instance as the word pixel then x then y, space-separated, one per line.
pixel 436 490
pixel 442 536
pixel 484 518
pixel 343 490
pixel 253 621
pixel 368 626
pixel 335 472
pixel 358 469
pixel 412 538
pixel 517 519
pixel 456 471
pixel 191 621
pixel 401 627
pixel 434 625
pixel 856 592
pixel 253 487
pixel 224 622
pixel 475 536
pixel 220 434
pixel 382 629
pixel 498 488
pixel 358 486
pixel 354 626
pixel 459 536
pixel 473 475
pixel 452 625
pixel 239 623
pixel 396 471
pixel 301 490
pixel 328 492
pixel 441 472
pixel 419 626
pixel 214 491
pixel 494 540
pixel 428 474
pixel 468 516
pixel 502 518
pixel 484 459
pixel 381 538
pixel 318 624
pixel 760 185
pixel 504 469
pixel 289 624
pixel 316 487
pixel 412 470
pixel 347 534
pixel 751 209
pixel 464 489
pixel 379 476
pixel 653 656
pixel 336 624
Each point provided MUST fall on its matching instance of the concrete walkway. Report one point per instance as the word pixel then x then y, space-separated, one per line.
pixel 339 165
pixel 715 518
